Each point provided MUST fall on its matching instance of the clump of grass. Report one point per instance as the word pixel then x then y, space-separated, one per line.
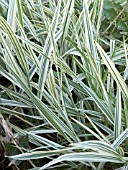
pixel 65 101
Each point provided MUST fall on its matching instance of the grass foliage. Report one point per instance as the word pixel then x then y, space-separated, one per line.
pixel 63 92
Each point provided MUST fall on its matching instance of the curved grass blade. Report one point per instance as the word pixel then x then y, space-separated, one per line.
pixel 112 69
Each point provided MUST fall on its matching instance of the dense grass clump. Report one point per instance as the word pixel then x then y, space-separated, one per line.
pixel 63 84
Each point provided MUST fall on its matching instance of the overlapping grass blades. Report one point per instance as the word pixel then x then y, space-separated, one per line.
pixel 63 82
